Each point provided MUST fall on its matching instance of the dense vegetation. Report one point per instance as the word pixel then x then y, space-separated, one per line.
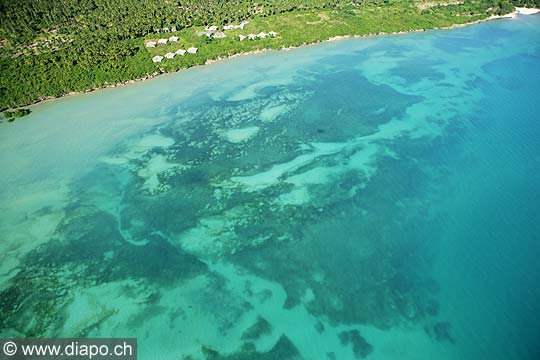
pixel 23 20
pixel 53 47
pixel 17 113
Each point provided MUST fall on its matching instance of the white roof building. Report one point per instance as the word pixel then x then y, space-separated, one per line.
pixel 173 29
pixel 272 33
pixel 151 44
pixel 242 37
pixel 211 28
pixel 261 35
pixel 157 58
pixel 169 55
pixel 162 41
pixel 252 36
pixel 231 26
pixel 165 29
pixel 192 50
pixel 180 52
pixel 220 35
pixel 173 38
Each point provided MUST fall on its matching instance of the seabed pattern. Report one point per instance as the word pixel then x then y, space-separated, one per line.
pixel 284 207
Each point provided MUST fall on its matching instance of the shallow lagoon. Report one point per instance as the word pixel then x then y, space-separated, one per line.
pixel 368 198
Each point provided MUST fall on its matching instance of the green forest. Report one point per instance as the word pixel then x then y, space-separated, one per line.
pixel 49 48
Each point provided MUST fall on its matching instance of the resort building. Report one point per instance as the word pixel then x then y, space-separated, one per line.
pixel 180 52
pixel 219 35
pixel 242 37
pixel 230 27
pixel 162 41
pixel 173 38
pixel 169 55
pixel 261 35
pixel 151 44
pixel 241 26
pixel 207 33
pixel 211 28
pixel 192 50
pixel 272 33
pixel 252 36
pixel 157 58
pixel 164 30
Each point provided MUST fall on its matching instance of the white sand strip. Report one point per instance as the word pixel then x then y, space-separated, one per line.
pixel 527 11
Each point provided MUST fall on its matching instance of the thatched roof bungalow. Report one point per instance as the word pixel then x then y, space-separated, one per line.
pixel 207 33
pixel 231 26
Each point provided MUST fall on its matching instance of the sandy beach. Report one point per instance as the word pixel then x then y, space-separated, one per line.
pixel 527 11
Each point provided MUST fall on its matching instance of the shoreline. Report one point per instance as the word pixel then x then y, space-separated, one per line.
pixel 259 51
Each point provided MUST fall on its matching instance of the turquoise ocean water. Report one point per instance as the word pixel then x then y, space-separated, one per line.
pixel 370 198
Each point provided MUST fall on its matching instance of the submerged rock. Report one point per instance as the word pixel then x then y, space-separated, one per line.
pixel 440 331
pixel 361 348
pixel 260 328
pixel 284 349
